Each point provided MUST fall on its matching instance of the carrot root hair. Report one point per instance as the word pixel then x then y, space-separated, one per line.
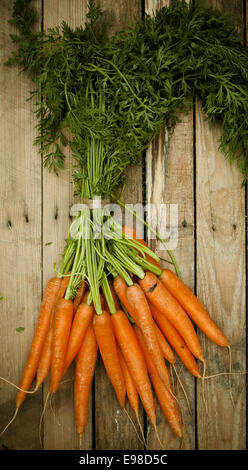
pixel 141 429
pixel 42 416
pixel 10 422
pixel 230 373
pixel 19 388
pixel 142 440
pixel 81 441
pixel 158 438
pixel 203 386
pixel 183 389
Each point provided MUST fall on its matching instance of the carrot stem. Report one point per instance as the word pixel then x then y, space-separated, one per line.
pixel 173 259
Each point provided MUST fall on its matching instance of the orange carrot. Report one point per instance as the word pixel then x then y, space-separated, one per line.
pixel 47 305
pixel 135 361
pixel 46 355
pixel 115 297
pixel 164 345
pixel 191 304
pixel 164 396
pixel 61 331
pixel 176 341
pixel 162 299
pixel 120 288
pixel 45 359
pixel 84 373
pixel 138 301
pixel 78 299
pixel 132 393
pixel 81 320
pixel 63 287
pixel 108 348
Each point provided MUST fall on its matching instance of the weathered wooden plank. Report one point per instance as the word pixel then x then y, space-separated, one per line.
pixel 113 429
pixel 59 420
pixel 20 235
pixel 170 180
pixel 221 279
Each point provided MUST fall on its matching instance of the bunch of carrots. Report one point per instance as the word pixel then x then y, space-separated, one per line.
pixel 138 334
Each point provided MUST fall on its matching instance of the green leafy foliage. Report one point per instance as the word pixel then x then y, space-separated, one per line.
pixel 107 98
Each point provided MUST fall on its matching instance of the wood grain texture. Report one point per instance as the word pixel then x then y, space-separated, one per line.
pixel 59 419
pixel 221 279
pixel 20 235
pixel 113 429
pixel 170 180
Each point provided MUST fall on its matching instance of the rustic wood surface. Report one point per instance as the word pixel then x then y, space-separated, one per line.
pixel 186 169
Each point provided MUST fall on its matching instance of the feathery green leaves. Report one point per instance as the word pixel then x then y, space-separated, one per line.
pixel 108 98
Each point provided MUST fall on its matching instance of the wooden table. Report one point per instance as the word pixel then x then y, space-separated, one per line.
pixel 211 253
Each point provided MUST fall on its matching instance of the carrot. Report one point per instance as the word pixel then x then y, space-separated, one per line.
pixel 115 297
pixel 108 348
pixel 61 331
pixel 142 310
pixel 131 233
pixel 84 373
pixel 162 299
pixel 46 355
pixel 48 302
pixel 82 318
pixel 132 393
pixel 120 288
pixel 78 299
pixel 191 304
pixel 45 359
pixel 176 341
pixel 164 345
pixel 164 396
pixel 131 350
pixel 63 287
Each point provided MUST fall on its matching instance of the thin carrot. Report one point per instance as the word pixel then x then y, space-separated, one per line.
pixel 120 288
pixel 46 355
pixel 114 295
pixel 108 348
pixel 45 359
pixel 164 345
pixel 79 297
pixel 194 308
pixel 162 299
pixel 142 310
pixel 63 286
pixel 84 373
pixel 80 323
pixel 131 233
pixel 176 341
pixel 135 361
pixel 132 393
pixel 164 396
pixel 48 302
pixel 61 331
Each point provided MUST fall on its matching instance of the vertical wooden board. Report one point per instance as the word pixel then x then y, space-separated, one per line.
pixel 59 419
pixel 113 429
pixel 170 180
pixel 221 280
pixel 20 239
